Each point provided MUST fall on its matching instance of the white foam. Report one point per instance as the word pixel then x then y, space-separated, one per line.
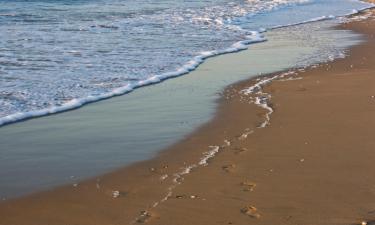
pixel 188 67
pixel 317 19
pixel 245 135
pixel 262 98
pixel 208 155
pixel 263 102
pixel 290 79
pixel 360 16
pixel 323 18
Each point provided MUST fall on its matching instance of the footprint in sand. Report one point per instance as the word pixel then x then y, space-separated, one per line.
pixel 301 89
pixel 160 169
pixel 248 186
pixel 251 211
pixel 239 150
pixel 187 196
pixel 144 217
pixel 229 168
pixel 245 135
pixel 180 196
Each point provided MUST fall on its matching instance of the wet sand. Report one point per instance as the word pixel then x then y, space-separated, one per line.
pixel 312 164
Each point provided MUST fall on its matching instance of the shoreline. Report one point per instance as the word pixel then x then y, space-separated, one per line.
pixel 68 147
pixel 128 190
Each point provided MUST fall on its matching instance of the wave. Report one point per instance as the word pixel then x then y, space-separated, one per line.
pixel 254 37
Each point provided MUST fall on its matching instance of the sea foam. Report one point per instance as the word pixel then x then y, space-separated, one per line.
pixel 188 67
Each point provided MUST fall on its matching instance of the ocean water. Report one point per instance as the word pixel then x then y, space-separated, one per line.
pixel 57 55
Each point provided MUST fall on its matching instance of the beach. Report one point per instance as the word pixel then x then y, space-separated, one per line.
pixel 293 147
pixel 98 138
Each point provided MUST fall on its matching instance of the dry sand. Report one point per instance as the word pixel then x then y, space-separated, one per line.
pixel 313 164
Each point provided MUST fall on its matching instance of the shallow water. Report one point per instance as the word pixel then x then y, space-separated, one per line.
pixel 63 148
pixel 55 52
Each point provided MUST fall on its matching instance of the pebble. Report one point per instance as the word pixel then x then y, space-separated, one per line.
pixel 115 194
pixel 163 177
pixel 249 186
pixel 251 211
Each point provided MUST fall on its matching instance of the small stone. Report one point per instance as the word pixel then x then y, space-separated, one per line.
pixel 144 217
pixel 251 211
pixel 240 150
pixel 248 186
pixel 163 177
pixel 116 194
pixel 229 168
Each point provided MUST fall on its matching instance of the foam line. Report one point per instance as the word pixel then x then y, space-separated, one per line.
pixel 262 98
pixel 322 18
pixel 254 37
pixel 317 19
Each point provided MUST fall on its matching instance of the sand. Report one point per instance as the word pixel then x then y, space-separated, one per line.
pixel 312 163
